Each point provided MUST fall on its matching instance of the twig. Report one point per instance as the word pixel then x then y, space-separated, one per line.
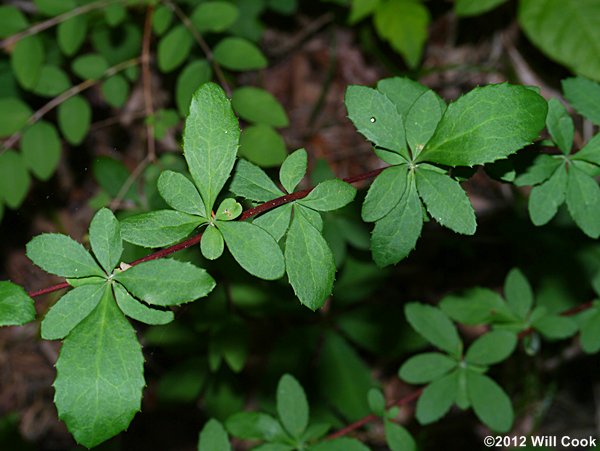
pixel 147 84
pixel 247 214
pixel 185 20
pixel 10 41
pixel 130 181
pixel 66 95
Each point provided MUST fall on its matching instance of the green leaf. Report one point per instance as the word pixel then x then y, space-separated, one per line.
pixel 398 438
pixel 340 444
pixel 490 402
pixel 254 249
pixel 239 54
pixel 12 20
pixel 166 282
pixel 41 148
pixel 13 115
pixel 583 201
pixel 404 24
pixel 129 44
pixel 81 281
pixel 276 221
pixel 543 21
pixel 228 210
pixel 193 75
pixel 100 375
pixel 210 141
pixel 259 106
pixel 89 67
pixel 74 119
pixel 254 425
pixel 376 118
pixel 54 7
pixel 396 234
pixel 312 216
pixel 376 401
pixel 105 239
pixel 476 306
pixel 174 48
pixel 384 193
pixel 465 8
pixel 115 91
pixel 403 92
pixel 16 307
pixel 545 199
pixel 491 348
pixel 422 120
pixel 70 310
pixel 329 195
pixel 446 201
pixel 359 9
pixel 180 193
pixel 14 178
pixel 115 14
pixel 262 145
pixel 293 169
pixel 213 437
pixel 584 97
pixel 555 327
pixel 27 60
pixel 292 406
pixel 434 326
pixel 214 16
pixel 518 293
pixel 437 398
pixel 309 263
pixel 212 244
pixel 344 378
pixel 590 334
pixel 111 175
pixel 590 152
pixel 427 367
pixel 540 170
pixel 61 255
pixel 139 311
pixel 560 125
pixel 161 20
pixel 485 125
pixel 71 34
pixel 253 183
pixel 159 228
pixel 53 81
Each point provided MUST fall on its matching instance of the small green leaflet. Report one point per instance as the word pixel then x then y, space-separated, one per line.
pixel 490 403
pixel 446 201
pixel 329 195
pixel 16 307
pixel 213 437
pixel 210 141
pixel 159 228
pixel 239 54
pixel 292 406
pixel 139 311
pixel 560 125
pixel 253 183
pixel 584 96
pixel 293 169
pixel 100 375
pixel 518 293
pixel 276 221
pixel 376 117
pixel 70 310
pixel 422 120
pixel 212 243
pixel 437 398
pixel 492 347
pixel 309 263
pixel 485 125
pixel 434 326
pixel 58 254
pixel 254 425
pixel 166 281
pixel 105 239
pixel 398 438
pixel 545 199
pixel 426 367
pixel 384 193
pixel 180 193
pixel 228 210
pixel 253 248
pixel 259 106
pixel 590 152
pixel 396 234
pixel 583 201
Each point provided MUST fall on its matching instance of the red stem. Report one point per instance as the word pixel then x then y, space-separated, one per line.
pixel 262 208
